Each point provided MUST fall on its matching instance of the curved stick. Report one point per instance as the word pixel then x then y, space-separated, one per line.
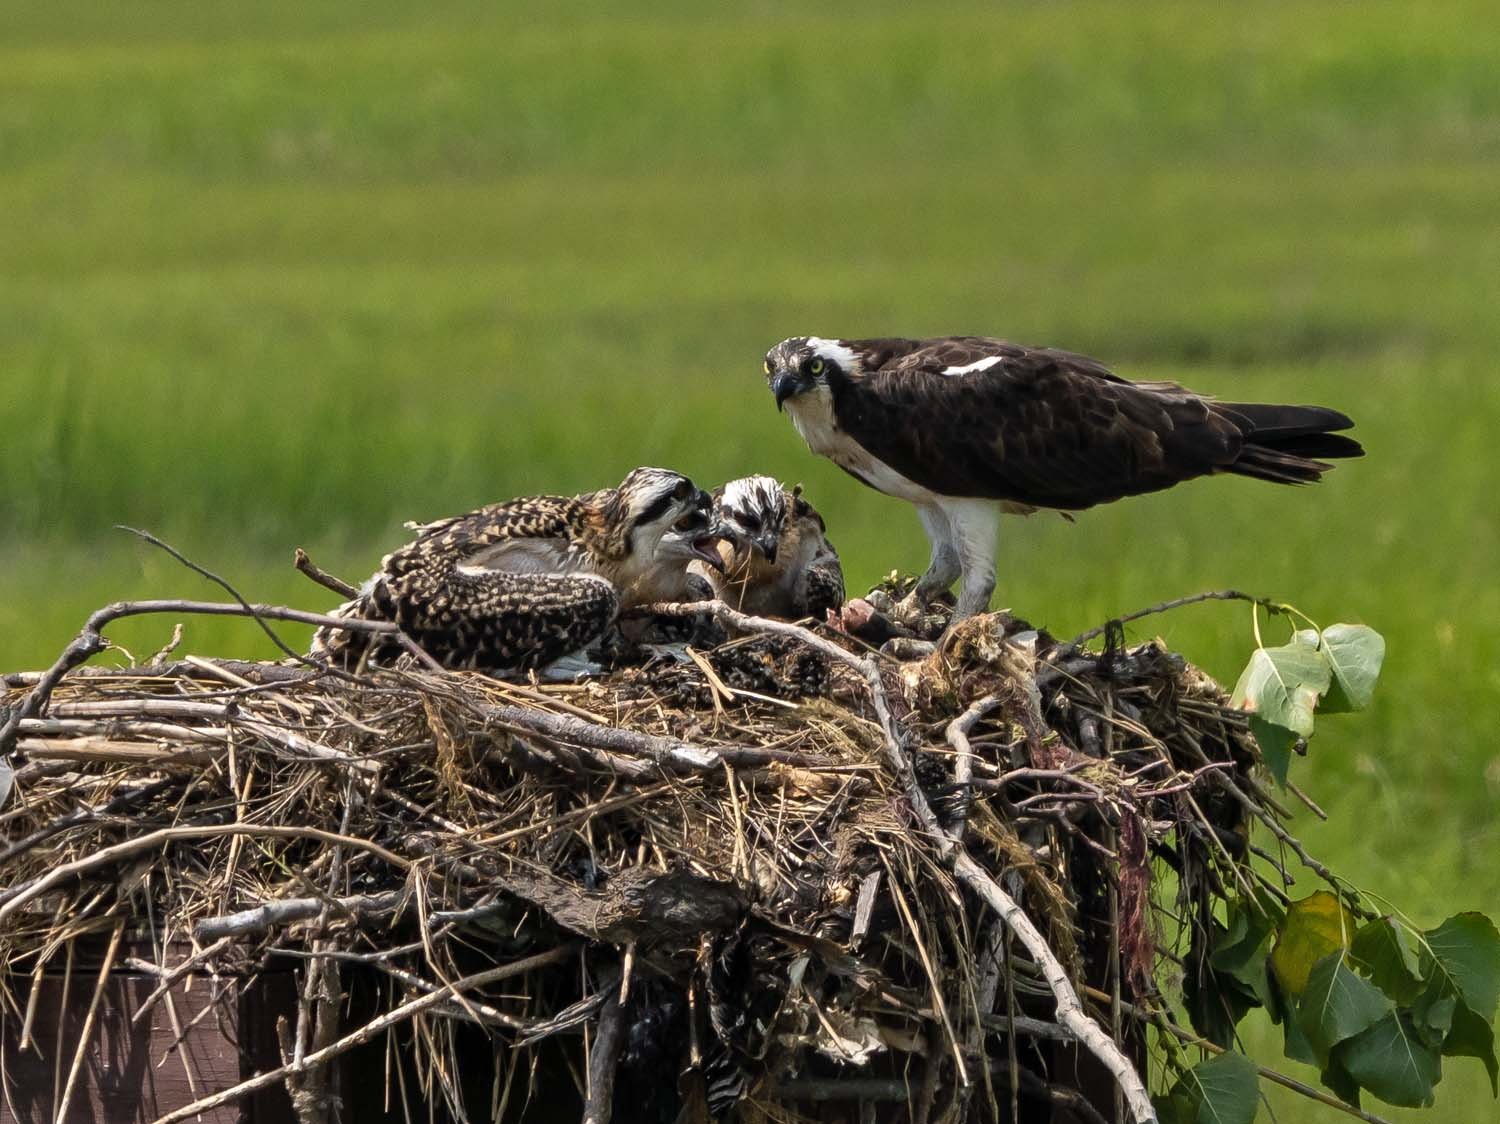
pixel 1070 1012
pixel 90 642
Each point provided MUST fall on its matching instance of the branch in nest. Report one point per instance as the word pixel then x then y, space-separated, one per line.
pixel 1166 606
pixel 285 911
pixel 1070 1012
pixel 90 642
pixel 604 1057
pixel 305 566
pixel 16 896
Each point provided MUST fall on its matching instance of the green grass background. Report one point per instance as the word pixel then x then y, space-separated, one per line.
pixel 289 274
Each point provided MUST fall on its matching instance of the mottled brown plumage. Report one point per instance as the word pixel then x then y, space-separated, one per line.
pixel 521 583
pixel 777 560
pixel 947 422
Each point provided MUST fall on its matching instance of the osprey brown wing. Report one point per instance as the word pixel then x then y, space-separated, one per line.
pixel 1047 428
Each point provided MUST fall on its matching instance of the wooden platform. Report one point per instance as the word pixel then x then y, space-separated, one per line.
pixel 205 1035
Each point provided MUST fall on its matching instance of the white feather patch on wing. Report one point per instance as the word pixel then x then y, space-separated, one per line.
pixel 528 556
pixel 975 367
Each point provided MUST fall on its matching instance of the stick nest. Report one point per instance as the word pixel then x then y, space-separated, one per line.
pixel 713 879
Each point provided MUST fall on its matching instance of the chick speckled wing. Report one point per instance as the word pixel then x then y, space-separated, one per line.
pixel 507 586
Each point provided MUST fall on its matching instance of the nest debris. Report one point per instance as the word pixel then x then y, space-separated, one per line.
pixel 766 879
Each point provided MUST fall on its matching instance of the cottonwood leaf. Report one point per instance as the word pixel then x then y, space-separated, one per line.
pixel 1432 1013
pixel 1473 1037
pixel 1241 950
pixel 1226 1089
pixel 1176 1107
pixel 1386 950
pixel 1283 1009
pixel 1313 927
pixel 1337 1078
pixel 1467 950
pixel 1391 1062
pixel 1282 685
pixel 1337 1005
pixel 1276 745
pixel 1355 653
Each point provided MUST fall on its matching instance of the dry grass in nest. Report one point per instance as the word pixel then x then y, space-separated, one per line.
pixel 782 899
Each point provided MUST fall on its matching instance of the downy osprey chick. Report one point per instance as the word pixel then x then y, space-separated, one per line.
pixel 969 427
pixel 777 560
pixel 521 583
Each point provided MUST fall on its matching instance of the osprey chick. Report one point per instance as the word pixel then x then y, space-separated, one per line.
pixel 521 583
pixel 777 560
pixel 968 427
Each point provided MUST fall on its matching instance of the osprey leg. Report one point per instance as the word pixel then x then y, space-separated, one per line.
pixel 944 567
pixel 976 524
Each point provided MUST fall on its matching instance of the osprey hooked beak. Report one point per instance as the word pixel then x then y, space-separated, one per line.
pixel 785 384
pixel 704 545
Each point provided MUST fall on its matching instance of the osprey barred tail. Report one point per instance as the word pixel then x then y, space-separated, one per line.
pixel 968 427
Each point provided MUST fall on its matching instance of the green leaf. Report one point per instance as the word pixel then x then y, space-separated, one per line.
pixel 1276 745
pixel 1355 653
pixel 1391 1062
pixel 1384 948
pixel 1473 1037
pixel 1283 1009
pixel 1313 927
pixel 1432 1013
pixel 1467 950
pixel 1282 685
pixel 1216 1003
pixel 1176 1107
pixel 1337 1078
pixel 1337 1005
pixel 1227 1089
pixel 1242 950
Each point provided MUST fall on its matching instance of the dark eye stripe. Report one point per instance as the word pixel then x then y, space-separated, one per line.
pixel 657 509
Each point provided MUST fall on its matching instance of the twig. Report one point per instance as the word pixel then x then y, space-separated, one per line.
pixel 1070 1012
pixel 170 976
pixel 124 799
pixel 203 571
pixel 88 1020
pixel 604 1057
pixel 285 911
pixel 90 642
pixel 1265 1071
pixel 16 896
pixel 371 1029
pixel 1166 606
pixel 305 565
pixel 963 766
pixel 664 751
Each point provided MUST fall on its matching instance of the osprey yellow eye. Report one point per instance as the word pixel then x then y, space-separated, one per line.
pixel 815 367
pixel 768 366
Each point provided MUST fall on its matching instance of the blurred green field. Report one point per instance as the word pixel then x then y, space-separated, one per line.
pixel 289 275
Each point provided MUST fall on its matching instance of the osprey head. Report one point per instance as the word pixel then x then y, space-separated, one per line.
pixel 797 365
pixel 665 518
pixel 753 510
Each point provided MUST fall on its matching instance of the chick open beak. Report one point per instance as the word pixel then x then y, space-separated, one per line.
pixel 706 548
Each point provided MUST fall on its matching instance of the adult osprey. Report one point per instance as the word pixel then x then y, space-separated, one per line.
pixel 968 427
